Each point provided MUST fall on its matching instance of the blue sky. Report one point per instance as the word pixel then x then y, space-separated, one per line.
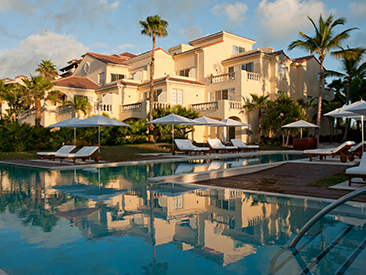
pixel 32 30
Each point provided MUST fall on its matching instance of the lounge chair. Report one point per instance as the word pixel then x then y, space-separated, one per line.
pixel 83 154
pixel 342 151
pixel 357 149
pixel 216 145
pixel 241 145
pixel 63 150
pixel 358 171
pixel 185 145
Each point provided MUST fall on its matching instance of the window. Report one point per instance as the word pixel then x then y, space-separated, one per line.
pixel 281 70
pixel 237 49
pixel 158 95
pixel 115 77
pixel 177 97
pixel 231 70
pixel 249 67
pixel 184 72
pixel 101 79
pixel 281 93
pixel 227 94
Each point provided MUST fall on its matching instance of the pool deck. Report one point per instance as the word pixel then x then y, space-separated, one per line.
pixel 288 177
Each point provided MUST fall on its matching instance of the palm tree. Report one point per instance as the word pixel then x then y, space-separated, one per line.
pixel 154 27
pixel 323 43
pixel 351 59
pixel 47 69
pixel 36 88
pixel 80 104
pixel 258 104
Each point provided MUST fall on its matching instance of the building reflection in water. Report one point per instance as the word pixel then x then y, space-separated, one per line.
pixel 221 225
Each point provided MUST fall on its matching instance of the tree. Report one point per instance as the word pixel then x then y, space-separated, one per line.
pixel 47 69
pixel 80 104
pixel 258 104
pixel 36 88
pixel 353 68
pixel 283 110
pixel 323 43
pixel 154 27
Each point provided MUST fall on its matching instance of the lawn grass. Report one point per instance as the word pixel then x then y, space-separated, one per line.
pixel 333 180
pixel 109 153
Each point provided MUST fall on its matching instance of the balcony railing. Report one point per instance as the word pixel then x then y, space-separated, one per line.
pixel 207 106
pixel 104 107
pixel 132 107
pixel 162 105
pixel 235 105
pixel 221 78
pixel 253 76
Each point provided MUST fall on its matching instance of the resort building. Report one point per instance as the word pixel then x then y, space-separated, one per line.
pixel 213 75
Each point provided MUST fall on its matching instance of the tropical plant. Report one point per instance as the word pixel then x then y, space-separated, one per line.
pixel 283 110
pixel 259 103
pixel 47 69
pixel 80 104
pixel 8 93
pixel 15 137
pixel 164 132
pixel 154 27
pixel 322 43
pixel 36 88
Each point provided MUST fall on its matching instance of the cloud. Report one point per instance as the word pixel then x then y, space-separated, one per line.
pixel 21 6
pixel 101 45
pixel 234 12
pixel 126 46
pixel 358 9
pixel 88 11
pixel 191 32
pixel 282 20
pixel 44 45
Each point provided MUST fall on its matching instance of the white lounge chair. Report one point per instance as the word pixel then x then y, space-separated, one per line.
pixel 241 145
pixel 83 154
pixel 342 151
pixel 357 149
pixel 185 145
pixel 63 150
pixel 358 171
pixel 216 145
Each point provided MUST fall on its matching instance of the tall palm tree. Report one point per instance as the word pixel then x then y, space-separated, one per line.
pixel 47 69
pixel 154 27
pixel 258 104
pixel 36 88
pixel 353 68
pixel 322 43
pixel 80 104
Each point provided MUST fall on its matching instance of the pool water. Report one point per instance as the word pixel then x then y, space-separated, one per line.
pixel 113 221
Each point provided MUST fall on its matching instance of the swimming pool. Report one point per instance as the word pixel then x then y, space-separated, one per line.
pixel 112 221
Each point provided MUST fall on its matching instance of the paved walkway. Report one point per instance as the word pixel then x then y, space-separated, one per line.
pixel 288 178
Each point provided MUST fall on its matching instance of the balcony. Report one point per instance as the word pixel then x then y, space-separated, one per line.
pixel 207 106
pixel 253 76
pixel 132 107
pixel 104 107
pixel 220 78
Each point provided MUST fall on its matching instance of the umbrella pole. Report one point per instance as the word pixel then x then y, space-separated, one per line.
pixel 74 135
pixel 172 138
pixel 99 138
pixel 300 132
pixel 363 134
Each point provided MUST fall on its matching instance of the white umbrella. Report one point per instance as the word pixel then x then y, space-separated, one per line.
pixel 67 123
pixel 206 121
pixel 98 121
pixel 233 123
pixel 171 120
pixel 300 124
pixel 355 110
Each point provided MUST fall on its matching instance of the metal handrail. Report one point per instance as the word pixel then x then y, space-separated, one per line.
pixel 325 211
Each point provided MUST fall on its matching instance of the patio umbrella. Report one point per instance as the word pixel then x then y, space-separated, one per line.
pixel 206 121
pixel 355 110
pixel 98 121
pixel 172 119
pixel 233 123
pixel 300 124
pixel 67 123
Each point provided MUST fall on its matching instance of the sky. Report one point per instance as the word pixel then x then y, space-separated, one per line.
pixel 61 30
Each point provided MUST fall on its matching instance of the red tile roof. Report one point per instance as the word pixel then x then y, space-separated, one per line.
pixel 173 79
pixel 77 82
pixel 303 59
pixel 114 59
pixel 126 54
pixel 245 54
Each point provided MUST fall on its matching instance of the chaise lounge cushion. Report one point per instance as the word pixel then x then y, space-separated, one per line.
pixel 186 145
pixel 83 154
pixel 342 151
pixel 63 150
pixel 358 171
pixel 216 144
pixel 241 145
